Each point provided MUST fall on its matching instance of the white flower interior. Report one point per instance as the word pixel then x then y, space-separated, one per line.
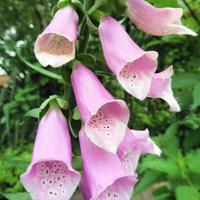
pixel 53 178
pixel 56 45
pixel 102 124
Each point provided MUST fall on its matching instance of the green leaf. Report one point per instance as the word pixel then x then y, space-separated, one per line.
pixel 104 5
pixel 196 96
pixel 76 114
pixel 96 5
pixel 146 180
pixel 61 102
pixel 193 161
pixel 17 196
pixel 167 166
pixel 77 3
pixel 86 59
pixel 77 163
pixel 91 25
pixel 191 139
pixel 187 193
pixel 169 141
pixel 40 69
pixel 74 124
pixel 35 112
pixel 182 80
pixel 184 98
pixel 62 3
pixel 164 3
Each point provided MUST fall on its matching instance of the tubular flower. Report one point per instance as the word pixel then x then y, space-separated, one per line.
pixel 50 175
pixel 105 118
pixel 161 88
pixel 56 45
pixel 156 21
pixel 103 176
pixel 135 144
pixel 133 66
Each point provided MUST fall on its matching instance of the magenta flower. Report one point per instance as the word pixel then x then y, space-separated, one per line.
pixel 103 176
pixel 135 144
pixel 161 88
pixel 105 118
pixel 156 21
pixel 133 66
pixel 56 45
pixel 50 175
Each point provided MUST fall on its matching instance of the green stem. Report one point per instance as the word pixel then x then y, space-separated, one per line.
pixel 87 4
pixel 85 33
pixel 194 15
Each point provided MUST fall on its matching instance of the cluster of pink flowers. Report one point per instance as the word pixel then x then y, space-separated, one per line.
pixel 110 150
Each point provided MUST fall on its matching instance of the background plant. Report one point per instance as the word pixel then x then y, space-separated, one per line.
pixel 176 174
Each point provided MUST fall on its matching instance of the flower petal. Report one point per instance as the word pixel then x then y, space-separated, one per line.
pixel 136 77
pixel 135 144
pixel 161 88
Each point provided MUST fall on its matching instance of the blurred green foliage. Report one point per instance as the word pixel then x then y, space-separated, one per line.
pixel 176 174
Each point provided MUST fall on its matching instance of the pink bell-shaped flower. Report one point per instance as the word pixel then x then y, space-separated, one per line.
pixel 104 176
pixel 105 118
pixel 156 21
pixel 50 175
pixel 135 144
pixel 56 45
pixel 133 66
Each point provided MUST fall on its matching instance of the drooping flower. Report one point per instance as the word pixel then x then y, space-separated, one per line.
pixel 156 21
pixel 135 144
pixel 105 118
pixel 133 66
pixel 50 175
pixel 161 88
pixel 56 45
pixel 104 176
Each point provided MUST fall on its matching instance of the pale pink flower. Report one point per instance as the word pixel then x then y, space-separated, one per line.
pixel 50 175
pixel 56 45
pixel 105 118
pixel 156 21
pixel 133 66
pixel 135 144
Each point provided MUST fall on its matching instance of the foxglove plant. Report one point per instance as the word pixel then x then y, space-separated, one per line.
pixel 110 150
pixel 161 88
pixel 133 66
pixel 105 118
pixel 55 46
pixel 156 21
pixel 135 144
pixel 103 175
pixel 50 175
